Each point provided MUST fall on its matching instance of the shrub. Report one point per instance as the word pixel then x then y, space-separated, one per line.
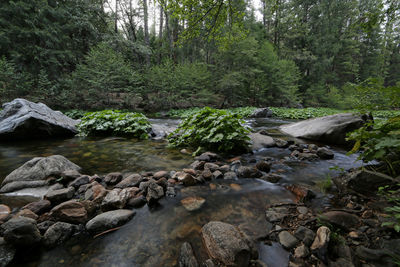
pixel 212 129
pixel 392 195
pixel 75 113
pixel 115 122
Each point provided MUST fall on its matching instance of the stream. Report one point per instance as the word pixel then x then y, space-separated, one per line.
pixel 154 236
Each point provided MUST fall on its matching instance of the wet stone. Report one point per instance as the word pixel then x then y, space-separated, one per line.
pixel 325 153
pixel 276 214
pixel 211 166
pixel 4 212
pixel 43 226
pixel 113 178
pixel 340 219
pixel 218 175
pixel 320 245
pixel 38 207
pixel 7 253
pixel 27 213
pixel 154 193
pixel 272 177
pixel 193 203
pixel 108 220
pixel 207 174
pixel 21 231
pixel 71 212
pixel 190 171
pixel 248 172
pixel 130 181
pixel 198 165
pixel 230 176
pixel 137 202
pixel 287 240
pixel 84 179
pixel 170 192
pixel 161 174
pixel 263 166
pixel 301 251
pixel 60 195
pixel 58 233
pixel 186 257
pixel 305 234
pixel 302 210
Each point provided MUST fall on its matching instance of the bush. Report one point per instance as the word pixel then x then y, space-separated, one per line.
pixel 115 122
pixel 75 113
pixel 212 129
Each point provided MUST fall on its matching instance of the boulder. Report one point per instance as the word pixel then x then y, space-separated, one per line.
pixel 287 240
pixel 4 212
pixel 130 181
pixel 108 220
pixel 329 129
pixel 160 174
pixel 261 113
pixel 226 244
pixel 263 166
pixel 71 212
pixel 306 235
pixel 96 193
pixel 248 172
pixel 7 253
pixel 60 195
pixel 113 178
pixel 78 182
pixel 259 141
pixel 58 233
pixel 193 203
pixel 362 181
pixel 115 199
pixel 21 231
pixel 186 256
pixel 27 213
pixel 186 178
pixel 320 245
pixel 38 207
pixel 22 119
pixel 340 219
pixel 325 153
pixel 154 193
pixel 34 172
pixel 207 156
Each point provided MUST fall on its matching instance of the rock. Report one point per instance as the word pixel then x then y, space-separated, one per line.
pixel 34 172
pixel 70 175
pixel 340 219
pixel 276 214
pixel 137 202
pixel 301 251
pixel 287 240
pixel 248 172
pixel 161 174
pixel 260 141
pixel 302 210
pixel 4 212
pixel 186 179
pixel 186 256
pixel 211 166
pixel 115 199
pixel 207 174
pixel 38 207
pixel 193 203
pixel 84 179
pixel 272 177
pixel 96 193
pixel 154 193
pixel 226 244
pixel 362 181
pixel 230 176
pixel 320 245
pixel 108 220
pixel 306 235
pixel 307 156
pixel 43 226
pixel 198 165
pixel 191 171
pixel 209 263
pixel 60 195
pixel 170 192
pixel 340 263
pixel 27 213
pixel 71 211
pixel 21 231
pixel 207 156
pixel 325 153
pixel 58 233
pixel 261 113
pixel 130 181
pixel 301 192
pixel 263 166
pixel 370 255
pixel 22 119
pixel 281 143
pixel 7 253
pixel 218 175
pixel 113 178
pixel 329 129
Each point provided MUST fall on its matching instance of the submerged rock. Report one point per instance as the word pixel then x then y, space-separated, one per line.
pixel 287 240
pixel 186 256
pixel 21 231
pixel 259 141
pixel 22 119
pixel 58 233
pixel 248 172
pixel 7 253
pixel 226 244
pixel 34 172
pixel 154 193
pixel 108 220
pixel 193 203
pixel 325 153
pixel 329 129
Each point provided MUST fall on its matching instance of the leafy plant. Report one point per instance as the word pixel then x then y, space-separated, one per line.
pixel 212 129
pixel 75 113
pixel 115 122
pixel 392 196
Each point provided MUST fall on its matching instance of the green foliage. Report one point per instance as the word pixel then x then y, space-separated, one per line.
pixel 325 185
pixel 114 122
pixel 393 197
pixel 75 113
pixel 243 112
pixel 304 113
pixel 379 141
pixel 212 129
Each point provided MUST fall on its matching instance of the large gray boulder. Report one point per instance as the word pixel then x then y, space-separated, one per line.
pixel 261 113
pixel 329 129
pixel 34 172
pixel 22 119
pixel 259 141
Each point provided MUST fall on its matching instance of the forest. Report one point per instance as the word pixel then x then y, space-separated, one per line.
pixel 152 56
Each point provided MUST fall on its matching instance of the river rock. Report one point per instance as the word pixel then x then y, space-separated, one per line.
pixel 363 181
pixel 230 176
pixel 325 153
pixel 263 166
pixel 329 129
pixel 320 245
pixel 60 195
pixel 260 141
pixel 306 235
pixel 21 231
pixel 137 202
pixel 193 203
pixel 27 213
pixel 22 119
pixel 272 177
pixel 43 226
pixel 287 240
pixel 301 251
pixel 198 165
pixel 38 207
pixel 7 253
pixel 248 172
pixel 154 193
pixel 78 182
pixel 70 175
pixel 58 233
pixel 34 172
pixel 276 214
pixel 186 178
pixel 211 166
pixel 207 156
pixel 115 199
pixel 96 193
pixel 4 212
pixel 130 181
pixel 261 113
pixel 226 244
pixel 186 256
pixel 108 220
pixel 113 178
pixel 161 174
pixel 340 219
pixel 71 211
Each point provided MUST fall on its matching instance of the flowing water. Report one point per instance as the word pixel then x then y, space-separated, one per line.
pixel 153 237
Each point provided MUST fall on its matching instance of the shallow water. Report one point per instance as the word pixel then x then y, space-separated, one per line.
pixel 153 237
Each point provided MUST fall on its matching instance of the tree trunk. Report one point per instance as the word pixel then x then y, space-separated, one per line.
pixel 116 17
pixel 160 34
pixel 146 29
